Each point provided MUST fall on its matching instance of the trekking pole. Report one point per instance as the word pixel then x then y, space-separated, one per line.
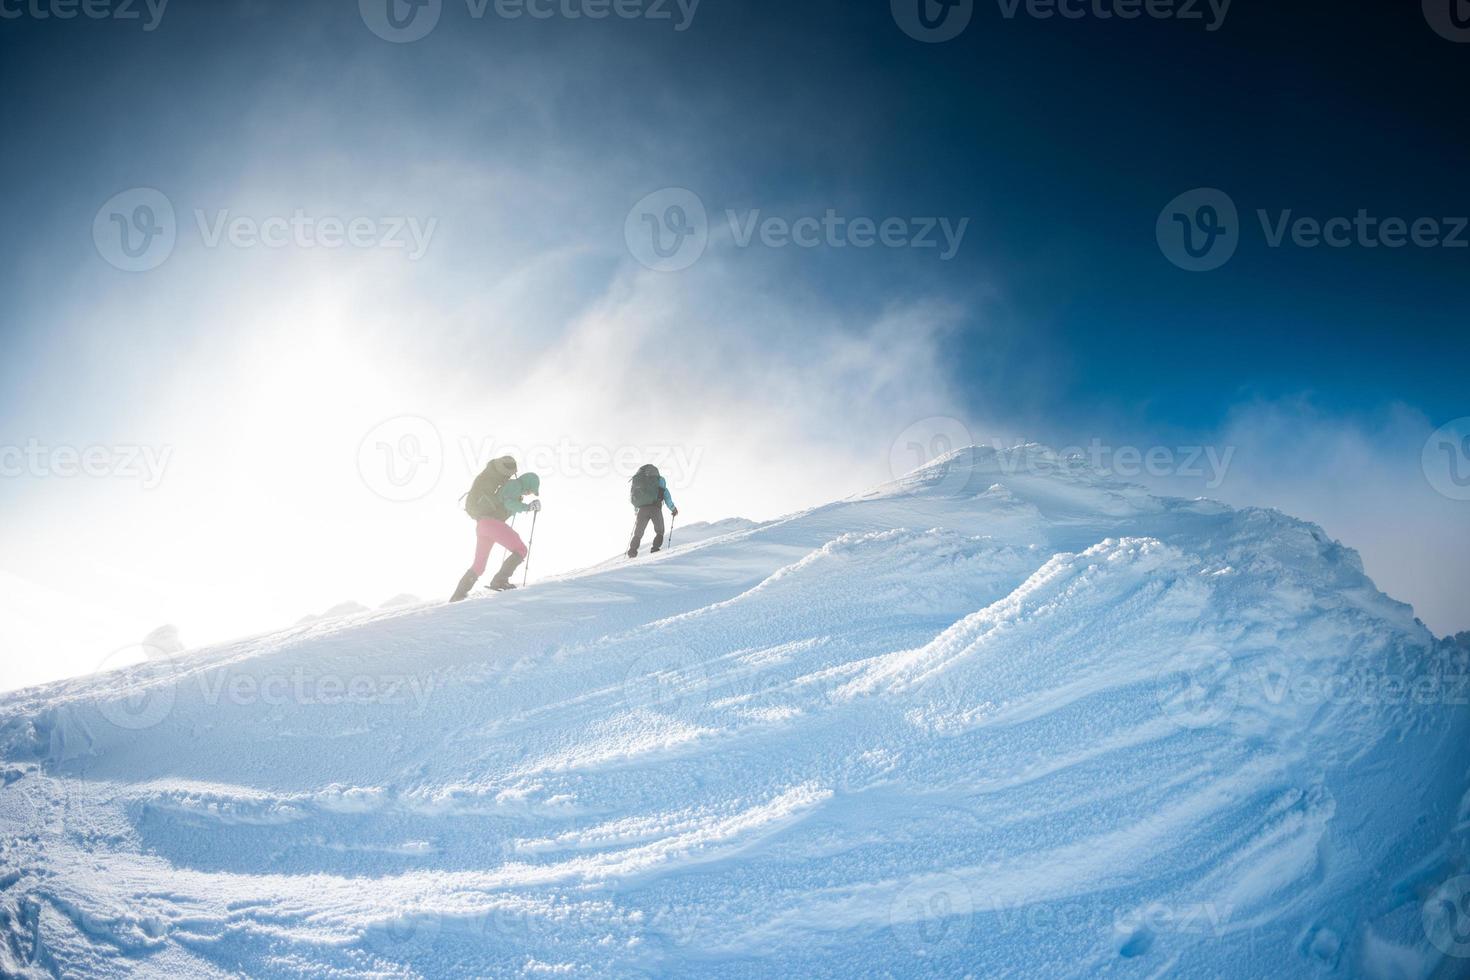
pixel 528 548
pixel 673 519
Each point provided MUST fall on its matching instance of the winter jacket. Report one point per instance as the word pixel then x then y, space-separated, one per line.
pixel 481 501
pixel 510 496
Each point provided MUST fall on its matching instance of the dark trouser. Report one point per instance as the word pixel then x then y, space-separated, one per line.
pixel 646 513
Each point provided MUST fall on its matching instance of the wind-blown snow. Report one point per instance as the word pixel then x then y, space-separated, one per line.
pixel 1002 717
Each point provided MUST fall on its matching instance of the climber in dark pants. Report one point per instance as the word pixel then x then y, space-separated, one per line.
pixel 649 492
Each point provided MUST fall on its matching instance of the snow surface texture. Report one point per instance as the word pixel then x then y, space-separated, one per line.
pixel 1003 717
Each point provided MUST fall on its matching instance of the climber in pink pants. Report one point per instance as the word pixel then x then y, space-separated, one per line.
pixel 490 511
pixel 488 533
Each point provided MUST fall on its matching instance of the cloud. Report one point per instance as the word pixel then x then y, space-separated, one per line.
pixel 752 406
pixel 271 370
pixel 1361 477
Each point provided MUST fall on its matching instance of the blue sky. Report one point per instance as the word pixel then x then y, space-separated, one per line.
pixel 791 370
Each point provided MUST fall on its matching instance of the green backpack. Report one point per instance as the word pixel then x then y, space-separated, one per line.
pixel 483 499
pixel 643 488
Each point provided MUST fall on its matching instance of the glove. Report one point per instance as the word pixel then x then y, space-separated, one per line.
pixel 674 512
pixel 534 506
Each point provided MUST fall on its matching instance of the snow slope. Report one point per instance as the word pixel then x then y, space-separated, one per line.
pixel 1002 717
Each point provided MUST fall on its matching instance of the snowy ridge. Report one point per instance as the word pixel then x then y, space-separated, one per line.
pixel 1001 715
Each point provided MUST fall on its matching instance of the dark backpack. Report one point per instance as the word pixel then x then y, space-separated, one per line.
pixel 643 488
pixel 483 500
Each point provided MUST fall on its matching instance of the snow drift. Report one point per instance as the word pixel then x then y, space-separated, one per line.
pixel 1001 717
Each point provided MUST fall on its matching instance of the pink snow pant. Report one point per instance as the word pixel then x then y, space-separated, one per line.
pixel 490 532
